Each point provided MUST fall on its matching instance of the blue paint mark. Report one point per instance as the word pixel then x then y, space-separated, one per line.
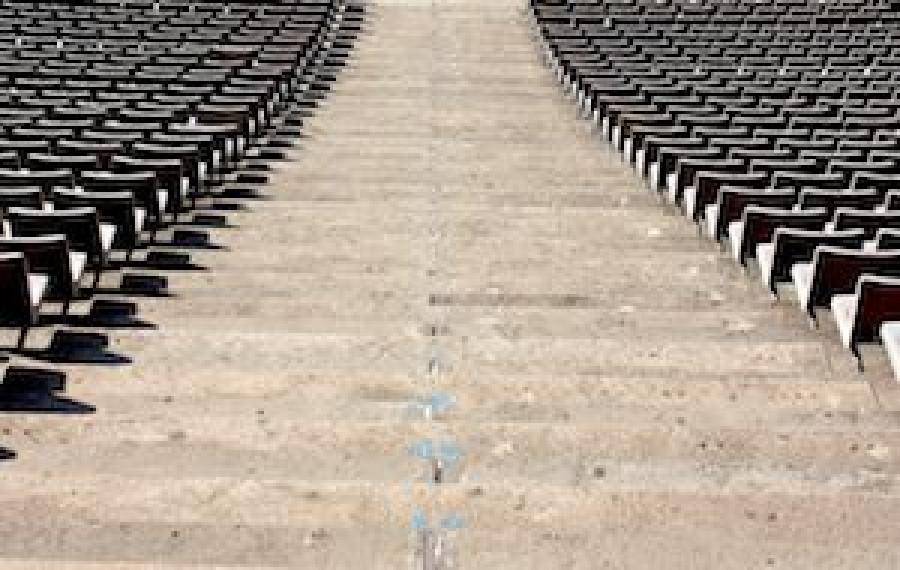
pixel 450 452
pixel 447 452
pixel 423 449
pixel 419 521
pixel 453 522
pixel 440 403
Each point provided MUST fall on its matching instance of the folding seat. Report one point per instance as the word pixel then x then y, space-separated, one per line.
pixel 867 147
pixel 773 135
pixel 101 152
pixel 610 126
pixel 26 134
pixel 44 179
pixel 685 106
pixel 124 138
pixel 790 246
pixel 797 146
pixel 887 239
pixel 81 226
pixel 53 162
pixel 142 185
pixel 7 124
pixel 49 255
pixel 179 111
pixel 27 113
pixel 893 104
pixel 697 124
pixel 824 158
pixel 769 166
pixel 883 155
pixel 722 97
pixel 740 148
pixel 186 99
pixel 223 137
pixel 767 95
pixel 705 189
pixel 157 116
pixel 688 167
pixel 807 111
pixel 206 144
pixel 666 171
pixel 799 180
pixel 712 131
pixel 841 134
pixel 93 86
pixel 865 112
pixel 119 209
pixel 831 200
pixel 821 116
pixel 260 95
pixel 169 174
pixel 21 197
pixel 850 170
pixel 648 160
pixel 9 159
pixel 870 125
pixel 128 127
pixel 780 103
pixel 731 202
pixel 22 293
pixel 868 220
pixel 628 122
pixel 757 150
pixel 756 122
pixel 45 103
pixel 835 271
pixel 238 117
pixel 188 154
pixel 146 83
pixel 758 224
pixel 882 183
pixel 117 97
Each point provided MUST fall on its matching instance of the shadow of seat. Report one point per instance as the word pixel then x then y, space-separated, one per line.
pixel 79 347
pixel 36 390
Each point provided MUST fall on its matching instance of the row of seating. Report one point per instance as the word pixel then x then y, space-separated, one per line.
pixel 773 125
pixel 118 117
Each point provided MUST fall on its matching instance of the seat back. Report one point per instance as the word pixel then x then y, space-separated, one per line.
pixel 45 179
pixel 887 238
pixel 21 197
pixel 838 269
pixel 47 254
pixel 15 303
pixel 832 200
pixel 867 220
pixel 794 245
pixel 116 208
pixel 81 226
pixel 760 222
pixel 878 301
pixel 141 184
pixel 733 200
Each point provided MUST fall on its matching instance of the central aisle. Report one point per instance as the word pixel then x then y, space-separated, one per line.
pixel 449 266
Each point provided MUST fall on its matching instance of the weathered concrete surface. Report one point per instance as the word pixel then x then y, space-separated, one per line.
pixel 622 396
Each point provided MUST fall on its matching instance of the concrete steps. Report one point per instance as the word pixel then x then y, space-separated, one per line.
pixel 446 255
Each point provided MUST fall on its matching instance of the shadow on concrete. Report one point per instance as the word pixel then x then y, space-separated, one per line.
pixel 35 390
pixel 77 347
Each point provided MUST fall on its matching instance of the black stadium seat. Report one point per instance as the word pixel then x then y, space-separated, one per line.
pixel 119 117
pixel 773 124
